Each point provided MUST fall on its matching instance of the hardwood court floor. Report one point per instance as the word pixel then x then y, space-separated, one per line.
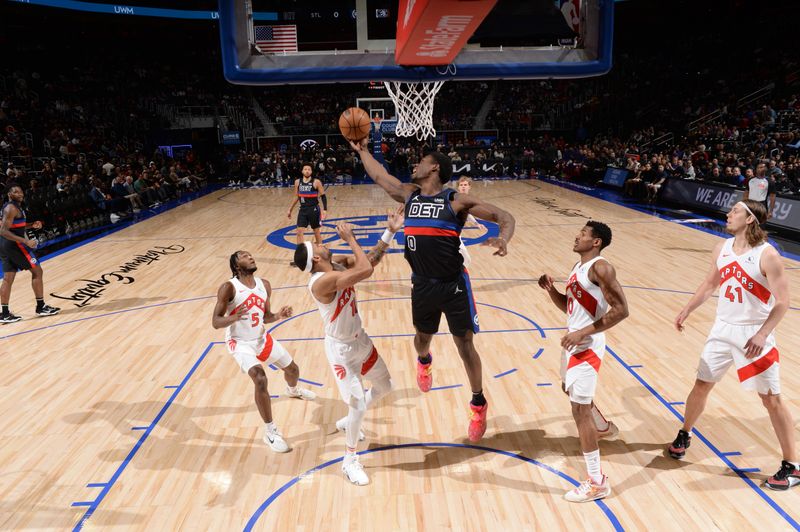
pixel 128 410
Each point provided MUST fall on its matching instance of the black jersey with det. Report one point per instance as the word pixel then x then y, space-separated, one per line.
pixel 308 194
pixel 432 231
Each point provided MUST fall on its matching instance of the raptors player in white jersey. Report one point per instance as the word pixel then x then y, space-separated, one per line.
pixel 243 308
pixel 594 301
pixel 348 348
pixel 753 297
pixel 464 186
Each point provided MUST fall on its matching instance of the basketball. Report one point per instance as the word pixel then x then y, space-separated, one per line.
pixel 354 123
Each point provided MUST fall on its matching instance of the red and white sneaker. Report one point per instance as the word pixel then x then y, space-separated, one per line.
pixel 477 422
pixel 424 376
pixel 787 476
pixel 589 491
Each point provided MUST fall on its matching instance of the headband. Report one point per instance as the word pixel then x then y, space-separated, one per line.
pixel 747 209
pixel 309 257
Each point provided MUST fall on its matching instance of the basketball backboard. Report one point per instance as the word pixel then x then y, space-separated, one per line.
pixel 269 42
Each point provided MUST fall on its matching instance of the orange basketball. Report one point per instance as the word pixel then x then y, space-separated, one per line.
pixel 354 123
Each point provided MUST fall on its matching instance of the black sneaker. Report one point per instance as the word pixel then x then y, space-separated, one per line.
pixel 786 477
pixel 47 310
pixel 678 448
pixel 9 318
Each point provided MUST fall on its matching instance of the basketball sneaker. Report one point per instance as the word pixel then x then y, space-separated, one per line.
pixel 678 448
pixel 47 310
pixel 589 491
pixel 10 318
pixel 354 471
pixel 424 376
pixel 301 393
pixel 341 426
pixel 477 422
pixel 786 477
pixel 610 432
pixel 275 440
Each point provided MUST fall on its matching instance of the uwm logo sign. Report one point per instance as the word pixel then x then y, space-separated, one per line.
pixel 368 231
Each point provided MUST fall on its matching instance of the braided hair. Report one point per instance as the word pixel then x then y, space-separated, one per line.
pixel 233 264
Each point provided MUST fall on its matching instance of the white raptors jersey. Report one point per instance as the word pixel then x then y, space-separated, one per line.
pixel 340 316
pixel 744 295
pixel 255 299
pixel 585 301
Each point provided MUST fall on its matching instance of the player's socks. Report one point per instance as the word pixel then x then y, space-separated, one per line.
pixel 6 312
pixel 424 376
pixel 478 399
pixel 592 460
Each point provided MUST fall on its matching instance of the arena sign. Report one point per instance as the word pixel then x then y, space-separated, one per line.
pixel 720 199
pixel 368 231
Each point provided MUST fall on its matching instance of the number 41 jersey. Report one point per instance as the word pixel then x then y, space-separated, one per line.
pixel 744 294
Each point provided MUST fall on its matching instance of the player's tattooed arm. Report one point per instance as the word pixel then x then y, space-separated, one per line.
pixel 376 254
pixel 395 220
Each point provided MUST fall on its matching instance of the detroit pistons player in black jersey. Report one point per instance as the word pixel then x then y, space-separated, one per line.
pixel 16 253
pixel 433 220
pixel 309 192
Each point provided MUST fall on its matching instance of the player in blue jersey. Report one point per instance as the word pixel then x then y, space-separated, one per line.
pixel 434 217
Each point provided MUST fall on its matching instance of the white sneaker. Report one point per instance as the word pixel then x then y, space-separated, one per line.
pixel 341 426
pixel 589 491
pixel 354 472
pixel 610 432
pixel 275 441
pixel 301 393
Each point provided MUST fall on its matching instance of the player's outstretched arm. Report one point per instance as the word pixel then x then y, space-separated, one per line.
pixel 560 300
pixel 493 213
pixel 394 224
pixel 331 282
pixel 395 220
pixel 219 320
pixel 772 267
pixel 703 292
pixel 398 190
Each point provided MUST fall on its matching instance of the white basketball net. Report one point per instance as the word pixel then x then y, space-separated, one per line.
pixel 414 104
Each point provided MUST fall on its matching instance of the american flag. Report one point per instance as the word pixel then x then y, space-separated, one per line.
pixel 275 39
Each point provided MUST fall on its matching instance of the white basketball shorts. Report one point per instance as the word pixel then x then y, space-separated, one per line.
pixel 267 350
pixel 579 369
pixel 352 360
pixel 725 346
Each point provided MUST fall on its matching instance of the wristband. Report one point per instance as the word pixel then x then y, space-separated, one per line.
pixel 387 237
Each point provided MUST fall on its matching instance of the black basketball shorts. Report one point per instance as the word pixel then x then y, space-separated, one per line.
pixel 308 216
pixel 430 298
pixel 15 256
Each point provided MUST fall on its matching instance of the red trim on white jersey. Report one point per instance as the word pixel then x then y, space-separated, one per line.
pixel 735 271
pixel 745 297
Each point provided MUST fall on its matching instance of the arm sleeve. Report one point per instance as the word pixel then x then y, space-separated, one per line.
pixel 324 199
